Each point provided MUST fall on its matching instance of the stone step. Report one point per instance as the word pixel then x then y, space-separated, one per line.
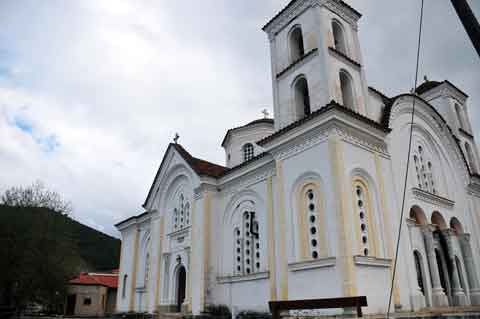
pixel 169 315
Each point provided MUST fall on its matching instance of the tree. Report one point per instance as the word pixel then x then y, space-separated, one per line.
pixel 36 195
pixel 38 254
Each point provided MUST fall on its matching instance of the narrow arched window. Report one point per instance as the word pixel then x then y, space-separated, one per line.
pixel 297 49
pixel 348 91
pixel 339 37
pixel 247 152
pixel 471 158
pixel 124 286
pixel 311 200
pixel 361 207
pixel 365 216
pixel 458 110
pixel 302 97
pixel 147 270
pixel 247 245
pixel 418 267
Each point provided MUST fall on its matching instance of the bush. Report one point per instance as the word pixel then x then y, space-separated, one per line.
pixel 249 314
pixel 218 311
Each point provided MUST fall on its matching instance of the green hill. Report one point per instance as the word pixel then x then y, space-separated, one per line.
pixel 97 251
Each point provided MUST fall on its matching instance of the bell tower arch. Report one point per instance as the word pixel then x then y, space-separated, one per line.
pixel 315 57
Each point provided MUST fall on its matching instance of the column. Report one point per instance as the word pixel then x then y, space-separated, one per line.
pixel 438 295
pixel 464 240
pixel 459 298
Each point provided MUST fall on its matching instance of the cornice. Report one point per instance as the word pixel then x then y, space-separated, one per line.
pixel 309 137
pixel 344 58
pixel 466 134
pixel 433 199
pixel 298 63
pixel 293 10
pixel 312 264
pixel 246 179
pixel 238 278
pixel 203 189
pixel 372 261
pixel 280 21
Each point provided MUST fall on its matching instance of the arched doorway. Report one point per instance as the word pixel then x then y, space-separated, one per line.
pixel 181 287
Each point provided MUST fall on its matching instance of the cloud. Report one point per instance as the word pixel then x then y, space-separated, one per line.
pixel 96 89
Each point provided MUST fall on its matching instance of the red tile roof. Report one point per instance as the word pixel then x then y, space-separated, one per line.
pixel 201 167
pixel 106 280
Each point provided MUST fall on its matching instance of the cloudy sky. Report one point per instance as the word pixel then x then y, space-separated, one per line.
pixel 92 92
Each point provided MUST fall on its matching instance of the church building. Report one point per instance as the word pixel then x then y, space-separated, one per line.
pixel 308 204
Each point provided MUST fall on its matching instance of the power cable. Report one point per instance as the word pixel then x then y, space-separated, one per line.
pixel 408 164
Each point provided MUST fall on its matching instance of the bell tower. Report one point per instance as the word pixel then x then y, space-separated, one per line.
pixel 315 58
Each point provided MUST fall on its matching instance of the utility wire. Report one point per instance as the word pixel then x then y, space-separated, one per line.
pixel 408 164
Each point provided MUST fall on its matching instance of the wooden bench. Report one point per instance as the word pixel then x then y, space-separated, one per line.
pixel 345 302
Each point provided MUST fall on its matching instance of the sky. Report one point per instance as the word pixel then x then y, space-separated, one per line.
pixel 92 91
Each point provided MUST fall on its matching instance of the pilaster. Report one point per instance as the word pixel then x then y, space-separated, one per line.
pixel 271 241
pixel 282 250
pixel 345 256
pixel 131 306
pixel 159 261
pixel 465 246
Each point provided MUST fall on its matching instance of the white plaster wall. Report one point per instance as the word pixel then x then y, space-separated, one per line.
pixel 238 295
pixel 374 282
pixel 126 268
pixel 375 107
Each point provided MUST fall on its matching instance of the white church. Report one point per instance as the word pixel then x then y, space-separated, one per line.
pixel 308 204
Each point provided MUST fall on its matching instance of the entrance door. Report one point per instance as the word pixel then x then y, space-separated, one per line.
pixel 181 287
pixel 70 309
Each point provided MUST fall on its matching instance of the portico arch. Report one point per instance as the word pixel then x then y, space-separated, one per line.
pixel 438 220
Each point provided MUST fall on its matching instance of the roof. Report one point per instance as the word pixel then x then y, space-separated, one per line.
pixel 259 121
pixel 291 3
pixel 94 279
pixel 428 85
pixel 332 105
pixel 200 166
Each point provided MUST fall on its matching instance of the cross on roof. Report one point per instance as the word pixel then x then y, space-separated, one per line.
pixel 265 113
pixel 175 138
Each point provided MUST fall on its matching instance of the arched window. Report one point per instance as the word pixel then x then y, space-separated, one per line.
pixel 424 171
pixel 247 245
pixel 124 286
pixel 365 217
pixel 456 226
pixel 181 214
pixel 458 110
pixel 339 37
pixel 471 158
pixel 302 97
pixel 297 49
pixel 311 205
pixel 348 91
pixel 247 152
pixel 418 267
pixel 460 273
pixel 147 270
